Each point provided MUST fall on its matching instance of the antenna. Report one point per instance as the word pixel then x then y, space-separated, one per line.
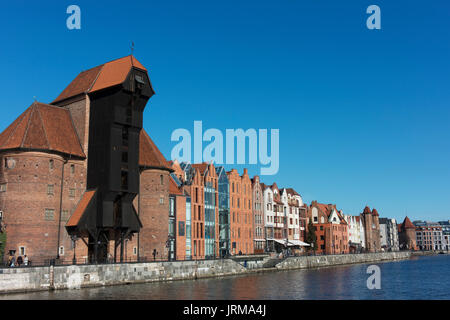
pixel 132 47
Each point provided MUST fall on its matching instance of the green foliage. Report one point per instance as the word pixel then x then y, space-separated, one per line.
pixel 311 236
pixel 2 244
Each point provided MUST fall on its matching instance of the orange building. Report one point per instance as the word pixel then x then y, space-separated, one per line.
pixel 331 228
pixel 241 213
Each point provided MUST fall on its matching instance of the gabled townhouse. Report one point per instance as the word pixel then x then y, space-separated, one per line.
pixel 269 217
pixel 330 228
pixel 224 211
pixel 258 216
pixel 241 213
pixel 194 182
pixel 389 234
pixel 356 237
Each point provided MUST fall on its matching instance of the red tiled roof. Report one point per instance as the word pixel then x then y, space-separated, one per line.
pixel 149 154
pixel 407 223
pixel 81 207
pixel 200 166
pixel 43 127
pixel 292 191
pixel 103 76
pixel 375 212
pixel 366 210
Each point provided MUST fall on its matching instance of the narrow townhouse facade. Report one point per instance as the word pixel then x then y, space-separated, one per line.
pixel 389 234
pixel 280 220
pixel 258 216
pixel 224 211
pixel 330 227
pixel 269 218
pixel 241 213
pixel 355 234
pixel 194 182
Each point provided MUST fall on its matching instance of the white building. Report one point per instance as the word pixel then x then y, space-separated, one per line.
pixel 356 236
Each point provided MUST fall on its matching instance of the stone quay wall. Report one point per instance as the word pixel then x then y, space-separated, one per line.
pixel 25 279
pixel 304 262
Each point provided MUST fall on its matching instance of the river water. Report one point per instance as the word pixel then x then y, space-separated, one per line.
pixel 426 277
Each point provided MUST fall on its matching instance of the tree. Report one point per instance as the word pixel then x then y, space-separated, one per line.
pixel 311 237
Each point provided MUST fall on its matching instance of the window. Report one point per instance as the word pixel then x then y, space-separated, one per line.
pixel 181 228
pixel 72 193
pixel 125 136
pixel 72 169
pixel 49 214
pixel 65 215
pixel 22 251
pixel 51 164
pixel 61 251
pixel 162 179
pixel 161 200
pixel 135 251
pixel 50 189
pixel 2 187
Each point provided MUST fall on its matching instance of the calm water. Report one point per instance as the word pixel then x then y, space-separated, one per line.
pixel 417 278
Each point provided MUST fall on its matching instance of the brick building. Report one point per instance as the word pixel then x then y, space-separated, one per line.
pixel 258 216
pixel 241 213
pixel 407 235
pixel 370 220
pixel 330 228
pixel 51 188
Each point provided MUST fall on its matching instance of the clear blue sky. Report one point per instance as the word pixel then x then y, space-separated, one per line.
pixel 363 114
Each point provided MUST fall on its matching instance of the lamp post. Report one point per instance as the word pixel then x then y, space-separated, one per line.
pixel 74 241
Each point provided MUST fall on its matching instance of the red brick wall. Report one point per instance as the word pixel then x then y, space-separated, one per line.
pixel 180 204
pixel 153 214
pixel 26 199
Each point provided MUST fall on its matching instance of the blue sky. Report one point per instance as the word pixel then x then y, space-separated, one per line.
pixel 363 114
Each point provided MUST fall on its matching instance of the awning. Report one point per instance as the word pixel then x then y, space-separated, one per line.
pixel 291 243
pixel 298 243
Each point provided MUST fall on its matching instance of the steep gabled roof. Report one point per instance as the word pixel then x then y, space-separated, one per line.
pixel 202 167
pixel 103 76
pixel 43 127
pixel 407 224
pixel 149 154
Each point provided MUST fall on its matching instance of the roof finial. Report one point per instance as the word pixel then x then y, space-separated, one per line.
pixel 132 47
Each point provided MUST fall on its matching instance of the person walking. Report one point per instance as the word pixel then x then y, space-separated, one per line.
pixel 13 261
pixel 19 261
pixel 25 260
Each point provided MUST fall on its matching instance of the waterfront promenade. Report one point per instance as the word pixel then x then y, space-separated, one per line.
pixel 84 276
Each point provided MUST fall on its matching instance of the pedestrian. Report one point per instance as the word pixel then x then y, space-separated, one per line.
pixel 25 260
pixel 13 261
pixel 9 260
pixel 19 261
pixel 154 254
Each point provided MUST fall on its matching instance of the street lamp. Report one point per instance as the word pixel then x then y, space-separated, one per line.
pixel 74 241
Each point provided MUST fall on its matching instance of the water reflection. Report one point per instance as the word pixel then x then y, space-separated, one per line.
pixel 417 278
